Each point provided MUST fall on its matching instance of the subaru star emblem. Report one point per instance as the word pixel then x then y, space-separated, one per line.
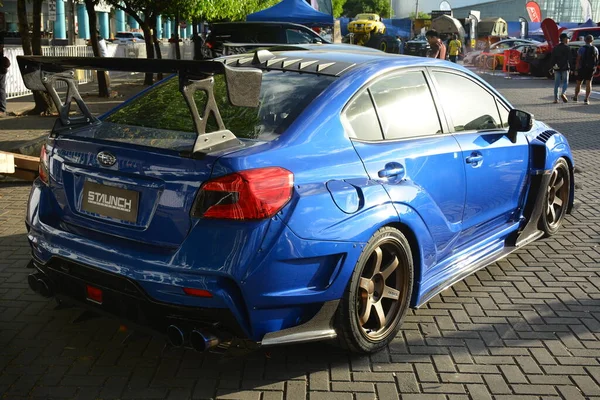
pixel 106 159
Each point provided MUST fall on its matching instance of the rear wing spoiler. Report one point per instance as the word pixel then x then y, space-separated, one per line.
pixel 243 88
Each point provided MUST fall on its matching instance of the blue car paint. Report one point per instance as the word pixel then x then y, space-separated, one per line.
pixel 274 274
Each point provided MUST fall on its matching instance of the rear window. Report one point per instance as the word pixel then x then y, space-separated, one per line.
pixel 160 117
pixel 124 35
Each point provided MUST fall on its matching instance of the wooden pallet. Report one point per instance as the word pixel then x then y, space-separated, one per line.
pixel 19 166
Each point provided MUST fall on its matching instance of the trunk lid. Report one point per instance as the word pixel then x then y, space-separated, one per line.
pixel 145 196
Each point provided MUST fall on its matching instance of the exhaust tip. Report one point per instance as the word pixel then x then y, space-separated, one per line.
pixel 203 341
pixel 40 284
pixel 175 336
pixel 44 288
pixel 32 281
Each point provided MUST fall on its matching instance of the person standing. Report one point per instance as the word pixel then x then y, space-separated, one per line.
pixel 400 45
pixel 587 60
pixel 4 65
pixel 454 48
pixel 438 49
pixel 103 50
pixel 561 66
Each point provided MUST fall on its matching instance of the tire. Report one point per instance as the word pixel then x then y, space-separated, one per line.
pixel 556 199
pixel 373 306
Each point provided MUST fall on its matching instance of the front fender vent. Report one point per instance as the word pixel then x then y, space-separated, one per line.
pixel 544 136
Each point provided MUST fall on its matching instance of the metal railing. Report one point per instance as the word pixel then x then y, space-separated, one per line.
pixel 14 82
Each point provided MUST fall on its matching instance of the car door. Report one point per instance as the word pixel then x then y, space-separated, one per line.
pixel 396 131
pixel 496 168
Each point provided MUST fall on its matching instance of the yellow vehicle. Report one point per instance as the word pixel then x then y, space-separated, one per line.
pixel 364 26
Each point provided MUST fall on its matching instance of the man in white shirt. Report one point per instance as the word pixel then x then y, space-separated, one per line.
pixel 103 49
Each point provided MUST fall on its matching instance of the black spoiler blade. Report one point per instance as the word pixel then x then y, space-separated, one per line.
pixel 243 84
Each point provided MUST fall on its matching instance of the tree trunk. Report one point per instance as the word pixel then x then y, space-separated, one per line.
pixel 197 40
pixel 148 39
pixel 101 75
pixel 43 104
pixel 156 24
pixel 36 40
pixel 24 27
pixel 177 48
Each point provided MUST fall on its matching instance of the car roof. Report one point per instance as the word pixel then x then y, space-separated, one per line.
pixel 326 47
pixel 256 23
pixel 333 63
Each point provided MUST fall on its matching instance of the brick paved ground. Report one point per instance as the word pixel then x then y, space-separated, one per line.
pixel 527 327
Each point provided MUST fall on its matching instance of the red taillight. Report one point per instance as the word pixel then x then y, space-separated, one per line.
pixel 94 294
pixel 209 44
pixel 252 194
pixel 197 292
pixel 43 166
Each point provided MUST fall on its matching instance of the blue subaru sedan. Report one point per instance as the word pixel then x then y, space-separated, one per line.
pixel 286 197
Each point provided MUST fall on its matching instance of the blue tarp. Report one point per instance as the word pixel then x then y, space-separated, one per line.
pixel 296 11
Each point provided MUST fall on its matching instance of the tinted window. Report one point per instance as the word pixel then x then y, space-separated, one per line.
pixel 363 119
pixel 163 113
pixel 469 105
pixel 405 106
pixel 298 36
pixel 268 34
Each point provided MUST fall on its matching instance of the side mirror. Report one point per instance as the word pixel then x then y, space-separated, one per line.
pixel 518 121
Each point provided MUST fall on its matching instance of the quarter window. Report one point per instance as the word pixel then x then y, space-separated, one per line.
pixel 363 119
pixel 405 106
pixel 470 106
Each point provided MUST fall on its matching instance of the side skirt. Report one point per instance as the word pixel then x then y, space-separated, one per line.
pixel 484 262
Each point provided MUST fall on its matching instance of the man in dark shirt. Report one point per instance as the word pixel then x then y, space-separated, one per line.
pixel 587 61
pixel 560 64
pixel 438 49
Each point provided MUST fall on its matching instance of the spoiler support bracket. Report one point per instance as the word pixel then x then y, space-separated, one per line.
pixel 206 142
pixel 49 80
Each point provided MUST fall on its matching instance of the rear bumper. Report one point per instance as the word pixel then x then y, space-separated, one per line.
pixel 282 286
pixel 126 301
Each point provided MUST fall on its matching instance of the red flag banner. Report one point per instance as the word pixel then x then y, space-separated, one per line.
pixel 533 9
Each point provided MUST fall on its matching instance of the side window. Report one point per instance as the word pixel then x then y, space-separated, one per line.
pixel 471 107
pixel 363 119
pixel 503 114
pixel 296 36
pixel 405 106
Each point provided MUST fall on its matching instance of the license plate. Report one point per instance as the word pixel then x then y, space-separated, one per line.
pixel 110 201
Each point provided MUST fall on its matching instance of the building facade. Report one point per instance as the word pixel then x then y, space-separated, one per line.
pixel 511 10
pixel 55 24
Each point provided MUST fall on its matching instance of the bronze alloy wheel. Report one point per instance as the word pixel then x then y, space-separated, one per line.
pixel 557 196
pixel 380 291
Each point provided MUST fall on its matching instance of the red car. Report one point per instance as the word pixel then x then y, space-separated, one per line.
pixel 538 57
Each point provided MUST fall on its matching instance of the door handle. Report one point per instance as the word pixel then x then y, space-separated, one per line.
pixel 474 158
pixel 392 169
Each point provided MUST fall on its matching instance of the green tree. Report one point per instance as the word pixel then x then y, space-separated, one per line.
pixel 338 8
pixel 380 7
pixel 145 12
pixel 421 15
